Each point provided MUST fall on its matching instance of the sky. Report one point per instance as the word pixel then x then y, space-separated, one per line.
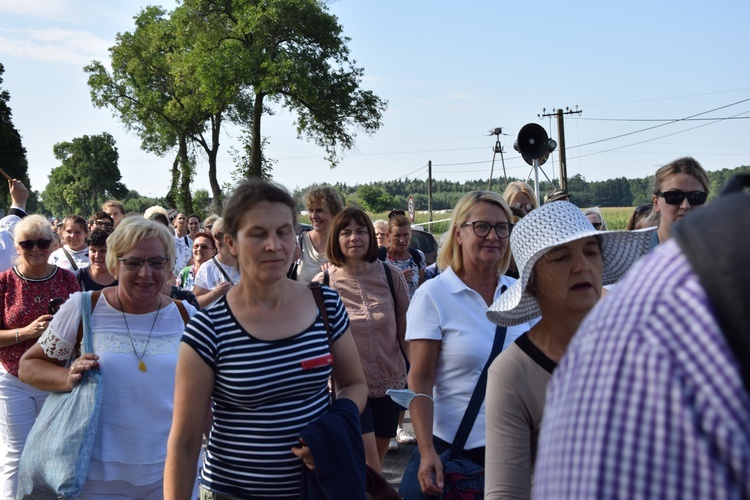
pixel 654 81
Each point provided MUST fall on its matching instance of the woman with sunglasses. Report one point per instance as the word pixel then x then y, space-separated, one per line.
pixel 451 338
pixel 521 198
pixel 679 187
pixel 136 335
pixel 204 250
pixel 25 293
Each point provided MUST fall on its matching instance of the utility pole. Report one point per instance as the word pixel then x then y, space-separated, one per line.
pixel 561 140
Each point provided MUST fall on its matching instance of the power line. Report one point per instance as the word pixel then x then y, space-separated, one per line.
pixel 664 119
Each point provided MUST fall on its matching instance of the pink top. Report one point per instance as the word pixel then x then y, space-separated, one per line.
pixel 369 303
pixel 24 300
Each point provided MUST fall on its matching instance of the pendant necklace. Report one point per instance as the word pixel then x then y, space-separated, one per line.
pixel 141 364
pixel 37 298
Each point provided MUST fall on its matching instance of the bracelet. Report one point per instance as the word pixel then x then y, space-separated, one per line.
pixel 423 395
pixel 18 340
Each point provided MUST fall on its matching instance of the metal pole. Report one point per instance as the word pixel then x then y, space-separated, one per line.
pixel 429 196
pixel 561 149
pixel 536 182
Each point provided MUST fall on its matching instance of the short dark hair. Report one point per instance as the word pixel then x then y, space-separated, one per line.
pixel 98 237
pixel 76 219
pixel 343 219
pixel 194 215
pixel 250 193
pixel 159 217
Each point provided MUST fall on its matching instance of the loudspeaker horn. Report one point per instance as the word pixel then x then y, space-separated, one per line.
pixel 534 144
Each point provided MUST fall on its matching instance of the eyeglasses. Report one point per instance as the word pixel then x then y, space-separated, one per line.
pixel 29 245
pixel 677 197
pixel 597 225
pixel 394 213
pixel 201 247
pixel 482 228
pixel 642 209
pixel 134 263
pixel 103 223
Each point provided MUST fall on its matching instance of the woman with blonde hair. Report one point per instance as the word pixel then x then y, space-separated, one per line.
pixel 136 334
pixel 679 187
pixel 450 336
pixel 26 290
pixel 323 203
pixel 520 197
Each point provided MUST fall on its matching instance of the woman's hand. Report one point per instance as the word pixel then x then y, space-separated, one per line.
pixel 36 328
pixel 430 473
pixel 408 274
pixel 83 364
pixel 305 454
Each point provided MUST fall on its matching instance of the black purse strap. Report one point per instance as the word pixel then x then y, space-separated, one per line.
pixel 221 269
pixel 477 397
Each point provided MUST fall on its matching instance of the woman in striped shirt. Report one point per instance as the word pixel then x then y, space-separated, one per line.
pixel 260 357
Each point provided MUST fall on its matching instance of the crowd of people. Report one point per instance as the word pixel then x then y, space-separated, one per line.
pixel 243 358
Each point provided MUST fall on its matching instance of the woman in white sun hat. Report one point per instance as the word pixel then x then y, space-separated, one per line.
pixel 563 263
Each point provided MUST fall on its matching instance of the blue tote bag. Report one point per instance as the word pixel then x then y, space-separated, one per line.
pixel 55 460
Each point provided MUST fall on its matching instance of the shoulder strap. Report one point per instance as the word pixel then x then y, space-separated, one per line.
pixel 221 269
pixel 326 277
pixel 70 258
pixel 389 277
pixel 477 397
pixel 91 299
pixel 183 311
pixel 314 287
pixel 415 256
pixel 717 247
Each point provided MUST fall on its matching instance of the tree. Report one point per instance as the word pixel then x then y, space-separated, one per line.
pixel 374 198
pixel 291 53
pixel 88 175
pixel 12 153
pixel 169 93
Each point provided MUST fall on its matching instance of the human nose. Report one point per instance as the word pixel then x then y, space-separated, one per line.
pixel 580 263
pixel 685 205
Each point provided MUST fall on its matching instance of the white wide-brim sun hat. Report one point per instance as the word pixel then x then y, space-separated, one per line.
pixel 552 225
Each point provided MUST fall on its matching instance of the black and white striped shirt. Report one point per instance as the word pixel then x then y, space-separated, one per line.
pixel 262 399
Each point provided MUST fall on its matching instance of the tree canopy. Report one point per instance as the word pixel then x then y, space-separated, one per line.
pixel 88 176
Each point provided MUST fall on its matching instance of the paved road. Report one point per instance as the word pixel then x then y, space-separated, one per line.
pixel 395 461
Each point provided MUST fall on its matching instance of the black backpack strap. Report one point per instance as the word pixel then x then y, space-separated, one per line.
pixel 389 277
pixel 416 257
pixel 716 241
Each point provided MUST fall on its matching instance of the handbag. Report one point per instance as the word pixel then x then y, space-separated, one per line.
pixel 55 460
pixel 463 478
pixel 378 488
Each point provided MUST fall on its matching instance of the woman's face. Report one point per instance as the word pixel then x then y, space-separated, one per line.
pixel 673 213
pixel 98 257
pixel 320 217
pixel 595 220
pixel 180 222
pixel 140 286
pixel 75 235
pixel 568 278
pixel 203 250
pixel 34 256
pixel 489 250
pixel 265 242
pixel 354 241
pixel 399 238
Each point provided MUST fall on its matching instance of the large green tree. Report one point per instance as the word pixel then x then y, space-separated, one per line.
pixel 166 91
pixel 88 176
pixel 12 153
pixel 290 53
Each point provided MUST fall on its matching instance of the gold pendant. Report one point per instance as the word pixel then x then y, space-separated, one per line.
pixel 142 366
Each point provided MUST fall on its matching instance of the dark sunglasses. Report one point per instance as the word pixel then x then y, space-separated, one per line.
pixel 202 247
pixel 134 263
pixel 42 244
pixel 103 223
pixel 394 213
pixel 597 225
pixel 528 206
pixel 677 197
